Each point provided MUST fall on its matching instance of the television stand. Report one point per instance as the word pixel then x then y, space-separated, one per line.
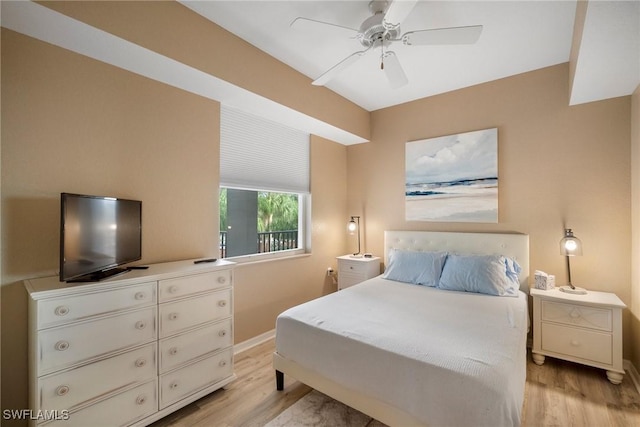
pixel 99 275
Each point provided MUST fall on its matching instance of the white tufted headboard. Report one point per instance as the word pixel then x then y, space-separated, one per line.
pixel 512 245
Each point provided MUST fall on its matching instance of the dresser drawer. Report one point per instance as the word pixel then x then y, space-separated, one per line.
pixel 68 389
pixel 171 289
pixel 53 312
pixel 182 382
pixel 191 345
pixel 65 346
pixel 187 313
pixel 119 410
pixel 575 342
pixel 577 315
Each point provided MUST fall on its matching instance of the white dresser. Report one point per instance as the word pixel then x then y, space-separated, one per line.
pixel 131 349
pixel 353 270
pixel 580 328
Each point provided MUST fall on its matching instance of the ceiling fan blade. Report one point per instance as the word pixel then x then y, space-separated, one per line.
pixel 305 24
pixel 393 69
pixel 452 35
pixel 338 68
pixel 396 13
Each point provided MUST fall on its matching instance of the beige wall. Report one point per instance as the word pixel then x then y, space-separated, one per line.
pixel 558 166
pixel 635 228
pixel 73 124
pixel 210 48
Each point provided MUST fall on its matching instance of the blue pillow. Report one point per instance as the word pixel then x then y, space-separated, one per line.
pixel 484 274
pixel 420 268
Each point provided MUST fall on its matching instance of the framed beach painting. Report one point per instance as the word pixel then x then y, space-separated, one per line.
pixel 453 178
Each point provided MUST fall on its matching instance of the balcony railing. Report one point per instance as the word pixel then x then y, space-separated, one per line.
pixel 271 241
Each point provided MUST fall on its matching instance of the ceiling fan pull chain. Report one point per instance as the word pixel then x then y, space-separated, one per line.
pixel 382 56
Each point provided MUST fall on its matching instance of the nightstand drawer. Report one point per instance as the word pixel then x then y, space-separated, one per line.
pixel 588 345
pixel 352 267
pixel 577 315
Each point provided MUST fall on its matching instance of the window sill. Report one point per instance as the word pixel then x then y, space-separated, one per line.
pixel 262 258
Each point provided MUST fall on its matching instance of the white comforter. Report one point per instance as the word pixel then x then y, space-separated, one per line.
pixel 448 358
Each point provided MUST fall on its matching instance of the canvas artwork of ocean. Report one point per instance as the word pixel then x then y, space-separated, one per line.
pixel 453 178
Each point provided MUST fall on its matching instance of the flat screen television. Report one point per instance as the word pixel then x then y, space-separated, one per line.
pixel 97 235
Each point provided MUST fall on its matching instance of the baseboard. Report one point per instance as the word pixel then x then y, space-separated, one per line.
pixel 252 342
pixel 633 373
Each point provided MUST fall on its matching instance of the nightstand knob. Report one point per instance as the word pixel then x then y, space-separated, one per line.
pixel 173 289
pixel 575 314
pixel 222 279
pixel 140 324
pixel 141 362
pixel 140 296
pixel 575 343
pixel 173 351
pixel 173 316
pixel 140 400
pixel 222 333
pixel 222 303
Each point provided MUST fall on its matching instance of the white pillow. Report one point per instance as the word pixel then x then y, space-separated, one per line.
pixel 420 268
pixel 485 274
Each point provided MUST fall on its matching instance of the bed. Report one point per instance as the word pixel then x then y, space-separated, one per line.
pixel 410 354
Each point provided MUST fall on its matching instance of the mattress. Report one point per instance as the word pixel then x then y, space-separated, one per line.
pixel 448 358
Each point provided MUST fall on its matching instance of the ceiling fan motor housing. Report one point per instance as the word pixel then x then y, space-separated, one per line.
pixel 373 31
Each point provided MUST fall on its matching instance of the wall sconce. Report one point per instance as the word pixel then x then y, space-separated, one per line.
pixel 570 246
pixel 354 227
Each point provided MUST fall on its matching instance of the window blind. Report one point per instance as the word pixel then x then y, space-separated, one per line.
pixel 260 154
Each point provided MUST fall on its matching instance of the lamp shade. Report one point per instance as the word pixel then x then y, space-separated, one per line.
pixel 570 245
pixel 352 226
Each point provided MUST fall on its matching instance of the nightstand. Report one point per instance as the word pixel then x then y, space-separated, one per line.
pixel 352 270
pixel 585 329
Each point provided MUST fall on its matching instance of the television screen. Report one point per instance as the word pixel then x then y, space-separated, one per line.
pixel 98 234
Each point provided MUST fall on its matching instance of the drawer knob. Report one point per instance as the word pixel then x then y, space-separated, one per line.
pixel 222 279
pixel 173 289
pixel 140 400
pixel 223 363
pixel 574 314
pixel 140 296
pixel 62 345
pixel 141 362
pixel 575 343
pixel 173 351
pixel 222 333
pixel 173 316
pixel 173 385
pixel 141 324
pixel 62 390
pixel 62 310
pixel 222 303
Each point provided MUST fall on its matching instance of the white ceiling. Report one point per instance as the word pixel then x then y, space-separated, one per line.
pixel 518 36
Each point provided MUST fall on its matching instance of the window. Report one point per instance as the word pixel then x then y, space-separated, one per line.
pixel 264 187
pixel 258 222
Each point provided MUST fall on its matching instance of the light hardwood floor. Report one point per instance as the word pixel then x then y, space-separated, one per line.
pixel 557 393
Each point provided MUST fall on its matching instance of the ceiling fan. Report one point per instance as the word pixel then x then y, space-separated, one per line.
pixel 383 29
